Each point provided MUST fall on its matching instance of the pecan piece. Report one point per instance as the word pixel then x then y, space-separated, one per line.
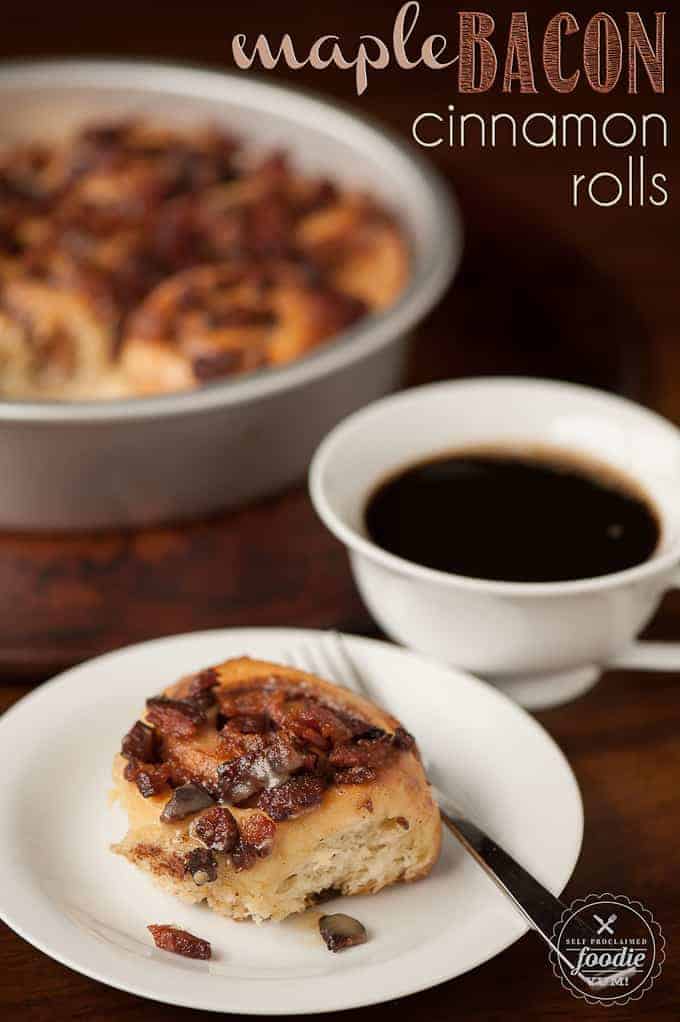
pixel 187 799
pixel 180 942
pixel 217 830
pixel 292 798
pixel 340 931
pixel 202 865
pixel 174 716
pixel 150 778
pixel 140 743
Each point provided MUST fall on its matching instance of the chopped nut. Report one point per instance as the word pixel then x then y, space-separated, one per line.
pixel 187 799
pixel 179 942
pixel 340 931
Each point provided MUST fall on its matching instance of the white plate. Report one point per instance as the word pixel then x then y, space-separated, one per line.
pixel 65 892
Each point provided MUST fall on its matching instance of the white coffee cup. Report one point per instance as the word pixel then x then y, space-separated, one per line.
pixel 543 643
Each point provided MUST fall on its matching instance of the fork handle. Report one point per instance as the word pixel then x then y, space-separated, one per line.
pixel 541 909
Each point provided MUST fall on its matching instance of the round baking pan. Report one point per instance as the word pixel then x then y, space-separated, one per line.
pixel 130 462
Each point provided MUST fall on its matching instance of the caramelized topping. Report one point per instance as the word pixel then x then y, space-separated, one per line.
pixel 179 942
pixel 270 745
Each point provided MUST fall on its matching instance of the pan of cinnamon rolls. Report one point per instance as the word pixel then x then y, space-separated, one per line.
pixel 199 275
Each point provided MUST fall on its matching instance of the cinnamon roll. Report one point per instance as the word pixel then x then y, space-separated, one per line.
pixel 257 788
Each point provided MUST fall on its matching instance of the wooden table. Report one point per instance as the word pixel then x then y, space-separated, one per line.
pixel 588 295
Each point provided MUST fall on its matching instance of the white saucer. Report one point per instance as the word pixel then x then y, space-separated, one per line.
pixel 68 895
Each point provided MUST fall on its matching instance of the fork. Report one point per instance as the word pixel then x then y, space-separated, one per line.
pixel 539 908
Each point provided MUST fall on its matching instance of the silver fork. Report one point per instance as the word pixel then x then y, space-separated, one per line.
pixel 539 908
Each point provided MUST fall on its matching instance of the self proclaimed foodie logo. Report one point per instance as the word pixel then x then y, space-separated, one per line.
pixel 607 949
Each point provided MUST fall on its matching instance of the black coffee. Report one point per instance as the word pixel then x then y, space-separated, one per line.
pixel 513 518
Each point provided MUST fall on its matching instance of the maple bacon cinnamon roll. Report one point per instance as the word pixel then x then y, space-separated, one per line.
pixel 257 788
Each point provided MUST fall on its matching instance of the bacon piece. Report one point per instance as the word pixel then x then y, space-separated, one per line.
pixel 372 753
pixel 257 832
pixel 174 716
pixel 354 775
pixel 179 942
pixel 150 778
pixel 262 768
pixel 293 798
pixel 217 830
pixel 140 743
pixel 311 722
pixel 201 689
pixel 248 723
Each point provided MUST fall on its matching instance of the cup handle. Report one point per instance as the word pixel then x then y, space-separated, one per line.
pixel 645 655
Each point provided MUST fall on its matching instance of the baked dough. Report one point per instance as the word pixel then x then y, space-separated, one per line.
pixel 326 790
pixel 137 259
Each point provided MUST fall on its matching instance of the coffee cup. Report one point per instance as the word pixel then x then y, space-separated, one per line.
pixel 543 643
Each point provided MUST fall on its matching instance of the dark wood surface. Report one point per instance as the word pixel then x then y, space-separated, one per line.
pixel 589 295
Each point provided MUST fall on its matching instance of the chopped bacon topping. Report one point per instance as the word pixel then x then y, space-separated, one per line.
pixel 293 798
pixel 311 722
pixel 201 689
pixel 217 830
pixel 179 942
pixel 271 745
pixel 150 778
pixel 140 743
pixel 174 716
pixel 257 832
